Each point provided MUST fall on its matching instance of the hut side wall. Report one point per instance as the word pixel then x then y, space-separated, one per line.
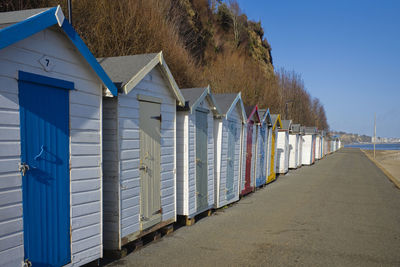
pixel 111 190
pixel 243 158
pixel 307 150
pixel 299 150
pixel 182 159
pixel 283 153
pixel 233 116
pixel 85 145
pixel 152 84
pixel 293 149
pixel 269 144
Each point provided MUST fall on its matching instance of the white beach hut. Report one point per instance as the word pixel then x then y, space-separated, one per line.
pixel 318 145
pixel 195 152
pixel 139 135
pixel 51 90
pixel 300 148
pixel 283 147
pixel 308 149
pixel 229 129
pixel 294 141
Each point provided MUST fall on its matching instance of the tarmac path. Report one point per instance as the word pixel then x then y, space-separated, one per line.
pixel 342 211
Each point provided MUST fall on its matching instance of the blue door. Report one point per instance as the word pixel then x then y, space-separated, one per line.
pixel 261 179
pixel 230 172
pixel 44 116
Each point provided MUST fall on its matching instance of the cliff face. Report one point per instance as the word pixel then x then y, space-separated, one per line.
pixel 212 29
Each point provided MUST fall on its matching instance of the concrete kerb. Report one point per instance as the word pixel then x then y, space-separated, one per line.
pixel 388 175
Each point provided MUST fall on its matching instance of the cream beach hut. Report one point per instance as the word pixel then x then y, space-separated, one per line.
pixel 139 135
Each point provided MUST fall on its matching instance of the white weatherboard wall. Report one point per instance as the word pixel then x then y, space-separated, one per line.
pixel 268 152
pixel 283 152
pixel 299 150
pixel 276 151
pixel 318 147
pixel 306 156
pixel 121 162
pixel 221 152
pixel 186 161
pixel 293 150
pixel 85 145
pixel 243 158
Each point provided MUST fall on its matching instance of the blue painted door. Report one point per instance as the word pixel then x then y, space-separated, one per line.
pixel 261 179
pixel 230 172
pixel 44 116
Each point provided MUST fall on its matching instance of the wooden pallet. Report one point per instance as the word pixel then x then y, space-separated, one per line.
pixel 189 221
pixel 137 244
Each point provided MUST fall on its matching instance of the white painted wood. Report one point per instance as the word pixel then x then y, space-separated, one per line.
pixel 123 141
pixel 85 144
pixel 293 150
pixel 221 138
pixel 307 149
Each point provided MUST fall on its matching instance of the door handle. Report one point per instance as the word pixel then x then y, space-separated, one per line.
pixel 23 168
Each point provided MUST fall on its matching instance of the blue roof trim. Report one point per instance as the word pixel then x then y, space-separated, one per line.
pixel 28 27
pixel 41 21
pixel 85 52
pixel 39 79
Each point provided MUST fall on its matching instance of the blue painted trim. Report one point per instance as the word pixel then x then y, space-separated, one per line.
pixel 39 79
pixel 37 23
pixel 28 27
pixel 84 50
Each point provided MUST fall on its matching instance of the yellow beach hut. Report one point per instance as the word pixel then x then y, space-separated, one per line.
pixel 276 124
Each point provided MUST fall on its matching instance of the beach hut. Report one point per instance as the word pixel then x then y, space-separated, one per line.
pixel 318 145
pixel 308 149
pixel 139 135
pixel 51 90
pixel 276 124
pixel 283 147
pixel 263 147
pixel 195 152
pixel 294 146
pixel 252 135
pixel 229 128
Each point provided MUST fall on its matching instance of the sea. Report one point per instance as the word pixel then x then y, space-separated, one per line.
pixel 393 146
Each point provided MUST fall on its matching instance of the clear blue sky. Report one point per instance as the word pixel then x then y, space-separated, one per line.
pixel 347 51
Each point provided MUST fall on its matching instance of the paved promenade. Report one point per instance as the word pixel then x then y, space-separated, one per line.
pixel 342 211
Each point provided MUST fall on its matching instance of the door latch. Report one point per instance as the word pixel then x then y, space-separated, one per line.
pixel 23 168
pixel 157 118
pixel 143 168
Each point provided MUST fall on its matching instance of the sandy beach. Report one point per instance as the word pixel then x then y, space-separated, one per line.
pixel 388 159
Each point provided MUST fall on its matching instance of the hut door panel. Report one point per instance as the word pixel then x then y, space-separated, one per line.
pixel 201 161
pixel 44 116
pixel 249 155
pixel 230 173
pixel 150 164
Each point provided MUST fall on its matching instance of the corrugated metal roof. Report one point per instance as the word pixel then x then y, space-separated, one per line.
pixel 122 69
pixel 9 18
pixel 191 95
pixel 225 101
